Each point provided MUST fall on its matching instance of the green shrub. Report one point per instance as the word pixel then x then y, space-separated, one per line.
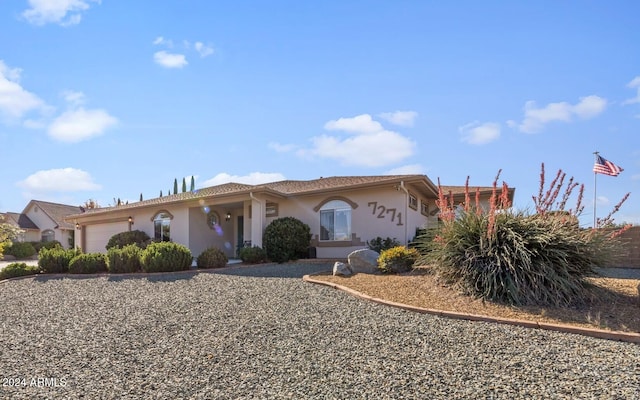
pixel 137 237
pixel 14 270
pixel 55 260
pixel 212 258
pixel 379 244
pixel 21 250
pixel 125 259
pixel 529 259
pixel 286 239
pixel 47 245
pixel 89 263
pixel 252 255
pixel 166 257
pixel 397 259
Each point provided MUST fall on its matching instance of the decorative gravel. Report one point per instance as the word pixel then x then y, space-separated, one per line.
pixel 262 333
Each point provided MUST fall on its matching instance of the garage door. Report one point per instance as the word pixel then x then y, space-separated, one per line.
pixel 97 236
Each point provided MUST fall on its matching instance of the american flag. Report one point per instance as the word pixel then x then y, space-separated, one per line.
pixel 605 167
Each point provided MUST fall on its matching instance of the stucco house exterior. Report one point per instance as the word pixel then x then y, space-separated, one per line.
pixel 44 221
pixel 343 212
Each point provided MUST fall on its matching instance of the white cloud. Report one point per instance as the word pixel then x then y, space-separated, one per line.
pixel 602 201
pixel 15 101
pixel 80 124
pixel 59 180
pixel 162 41
pixel 62 12
pixel 634 84
pixel 254 178
pixel 370 145
pixel 281 148
pixel 169 60
pixel 477 133
pixel 370 150
pixel 400 118
pixel 203 49
pixel 74 98
pixel 535 118
pixel 359 124
pixel 411 169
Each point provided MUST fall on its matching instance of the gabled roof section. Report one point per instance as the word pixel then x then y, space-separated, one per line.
pixel 290 187
pixel 286 188
pixel 22 221
pixel 56 211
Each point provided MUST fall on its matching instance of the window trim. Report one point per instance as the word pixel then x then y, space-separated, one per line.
pixel 413 201
pixel 271 210
pixel 344 208
pixel 424 208
pixel 156 218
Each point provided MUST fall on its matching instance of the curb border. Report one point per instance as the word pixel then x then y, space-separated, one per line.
pixel 596 333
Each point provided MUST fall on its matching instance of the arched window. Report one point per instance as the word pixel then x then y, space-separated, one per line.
pixel 48 236
pixel 162 226
pixel 335 220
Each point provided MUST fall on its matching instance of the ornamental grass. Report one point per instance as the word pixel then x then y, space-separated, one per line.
pixel 518 257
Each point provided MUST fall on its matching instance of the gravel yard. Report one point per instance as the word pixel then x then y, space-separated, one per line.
pixel 261 333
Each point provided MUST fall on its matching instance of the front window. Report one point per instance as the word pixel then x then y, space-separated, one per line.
pixel 335 221
pixel 162 227
pixel 48 236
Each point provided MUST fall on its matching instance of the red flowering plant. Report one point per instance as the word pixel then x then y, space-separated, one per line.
pixel 513 256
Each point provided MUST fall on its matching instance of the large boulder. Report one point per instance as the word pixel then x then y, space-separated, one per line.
pixel 364 261
pixel 342 269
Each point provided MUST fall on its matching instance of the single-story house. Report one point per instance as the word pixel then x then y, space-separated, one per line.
pixel 43 221
pixel 343 212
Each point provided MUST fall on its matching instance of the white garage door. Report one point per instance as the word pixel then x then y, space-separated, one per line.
pixel 97 236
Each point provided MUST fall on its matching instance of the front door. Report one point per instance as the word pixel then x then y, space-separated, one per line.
pixel 240 237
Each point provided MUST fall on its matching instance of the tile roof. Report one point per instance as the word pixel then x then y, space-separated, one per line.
pixel 283 188
pixel 22 221
pixel 57 212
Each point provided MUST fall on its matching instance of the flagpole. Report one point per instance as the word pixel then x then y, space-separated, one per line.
pixel 595 175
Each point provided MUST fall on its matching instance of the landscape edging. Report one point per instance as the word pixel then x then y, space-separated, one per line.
pixel 592 332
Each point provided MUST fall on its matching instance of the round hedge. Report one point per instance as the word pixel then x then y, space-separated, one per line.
pixel 286 239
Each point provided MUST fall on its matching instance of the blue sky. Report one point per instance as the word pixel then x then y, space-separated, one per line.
pixel 109 99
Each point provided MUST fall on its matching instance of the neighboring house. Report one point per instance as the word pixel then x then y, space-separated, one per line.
pixel 343 213
pixel 44 221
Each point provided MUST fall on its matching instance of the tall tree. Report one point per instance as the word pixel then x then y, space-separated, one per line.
pixel 140 196
pixel 193 184
pixel 175 185
pixel 160 193
pixel 184 185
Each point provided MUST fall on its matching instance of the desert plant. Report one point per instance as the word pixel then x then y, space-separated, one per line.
pixel 137 237
pixel 125 259
pixel 286 239
pixel 14 270
pixel 379 244
pixel 397 259
pixel 212 258
pixel 252 255
pixel 166 257
pixel 89 263
pixel 20 250
pixel 55 260
pixel 513 256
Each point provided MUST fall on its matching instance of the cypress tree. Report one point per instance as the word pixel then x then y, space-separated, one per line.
pixel 141 196
pixel 175 185
pixel 184 185
pixel 161 193
pixel 193 184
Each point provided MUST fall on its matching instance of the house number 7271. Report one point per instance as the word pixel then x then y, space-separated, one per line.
pixel 383 211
